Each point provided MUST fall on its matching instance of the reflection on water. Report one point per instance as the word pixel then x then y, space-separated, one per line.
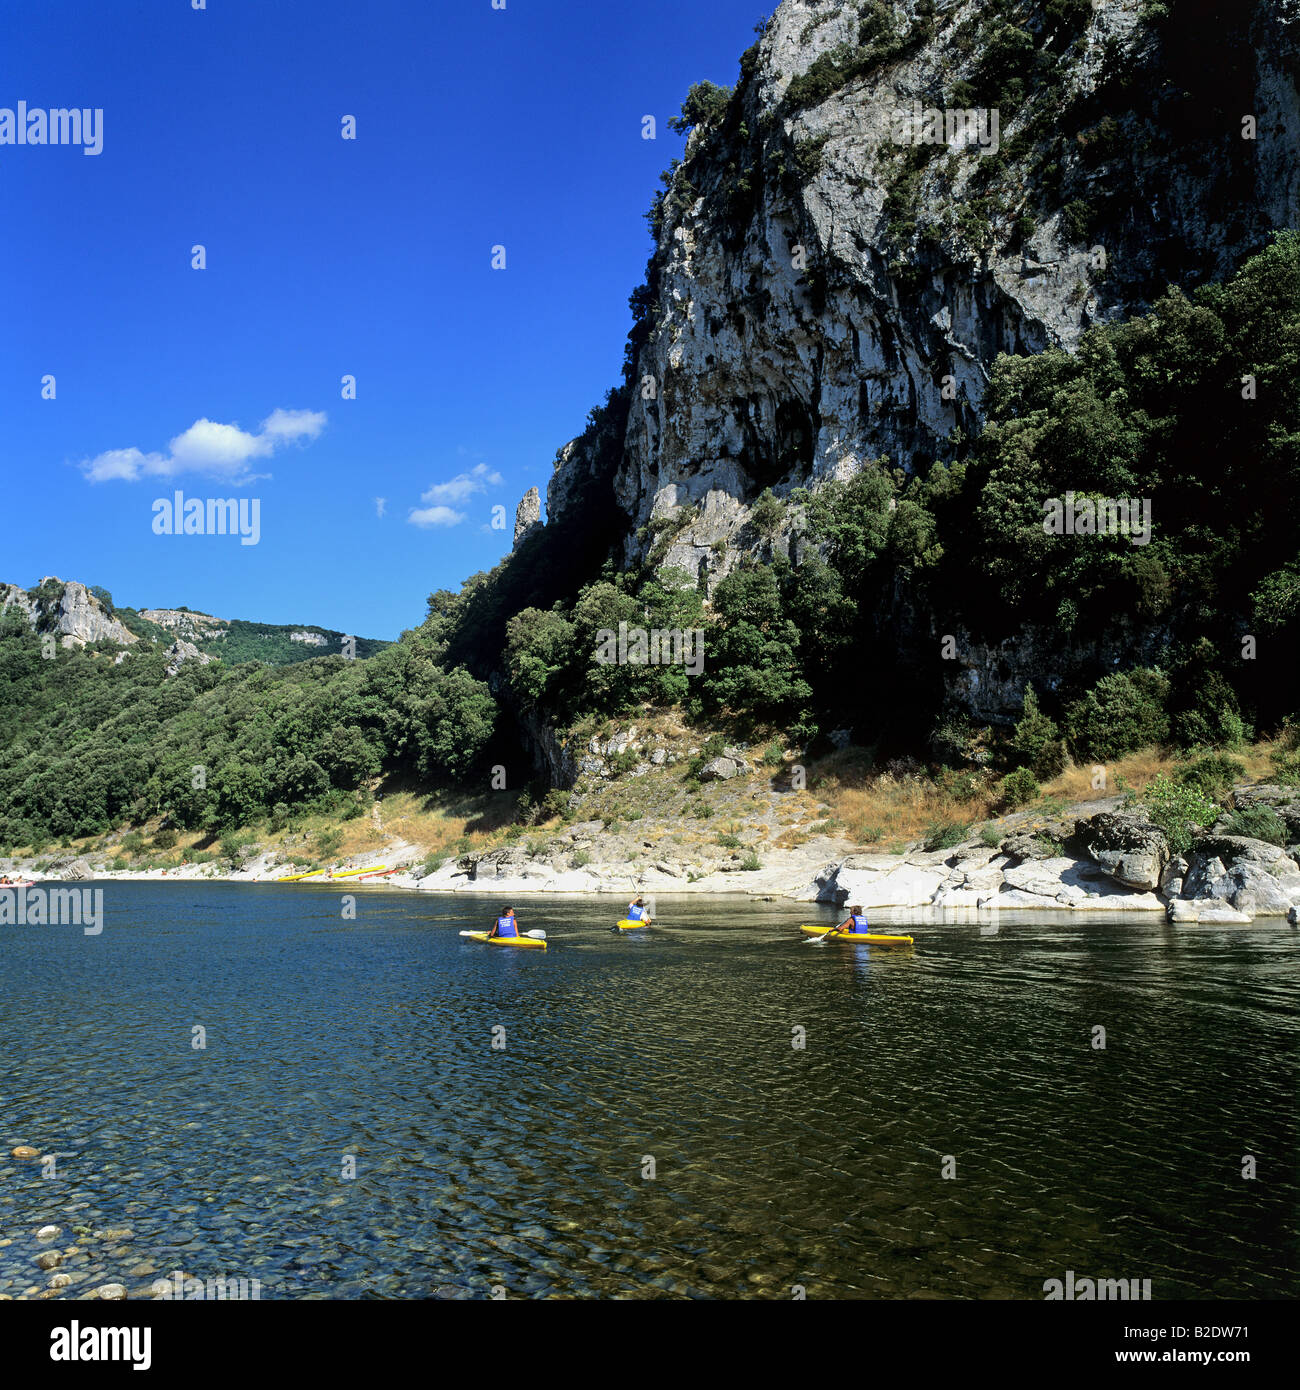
pixel 669 1051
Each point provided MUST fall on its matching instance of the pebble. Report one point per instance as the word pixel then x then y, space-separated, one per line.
pixel 60 1281
pixel 25 1151
pixel 112 1291
pixel 51 1259
pixel 140 1270
pixel 48 1232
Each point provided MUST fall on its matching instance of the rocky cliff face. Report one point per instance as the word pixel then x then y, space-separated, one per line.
pixel 836 271
pixel 894 195
pixel 68 609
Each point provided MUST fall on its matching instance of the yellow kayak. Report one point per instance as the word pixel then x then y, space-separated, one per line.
pixel 295 878
pixel 520 941
pixel 627 924
pixel 859 937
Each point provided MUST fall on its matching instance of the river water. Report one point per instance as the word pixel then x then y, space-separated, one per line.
pixel 649 1129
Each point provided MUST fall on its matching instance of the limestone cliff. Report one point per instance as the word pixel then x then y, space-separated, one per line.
pixel 894 195
pixel 68 609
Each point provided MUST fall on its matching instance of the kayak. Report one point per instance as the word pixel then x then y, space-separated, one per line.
pixel 627 924
pixel 295 878
pixel 522 941
pixel 860 937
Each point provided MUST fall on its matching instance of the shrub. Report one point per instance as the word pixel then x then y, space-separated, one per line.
pixel 1017 788
pixel 555 803
pixel 774 754
pixel 1121 713
pixel 165 839
pixel 751 862
pixel 579 859
pixel 1212 775
pixel 1204 705
pixel 1037 741
pixel 990 837
pixel 133 842
pixel 1076 221
pixel 1259 823
pixel 705 104
pixel 944 834
pixel 118 864
pixel 729 841
pixel 1177 809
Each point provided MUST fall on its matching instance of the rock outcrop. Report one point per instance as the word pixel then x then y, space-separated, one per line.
pixel 180 652
pixel 1127 846
pixel 528 515
pixel 67 609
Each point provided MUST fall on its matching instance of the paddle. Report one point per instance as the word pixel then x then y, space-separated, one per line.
pixel 825 937
pixel 537 935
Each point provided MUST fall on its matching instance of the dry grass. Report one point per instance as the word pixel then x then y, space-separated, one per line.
pixel 886 812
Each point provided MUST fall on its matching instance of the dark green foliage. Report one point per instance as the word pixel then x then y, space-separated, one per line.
pixel 1120 714
pixel 90 744
pixel 1037 742
pixel 1212 775
pixel 944 835
pixel 1017 788
pixel 1258 823
pixel 1076 221
pixel 1204 706
pixel 754 670
pixel 705 104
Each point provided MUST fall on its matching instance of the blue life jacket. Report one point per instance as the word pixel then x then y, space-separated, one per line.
pixel 859 923
pixel 635 914
pixel 506 926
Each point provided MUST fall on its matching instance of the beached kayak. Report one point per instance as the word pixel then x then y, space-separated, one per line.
pixel 859 937
pixel 627 924
pixel 521 941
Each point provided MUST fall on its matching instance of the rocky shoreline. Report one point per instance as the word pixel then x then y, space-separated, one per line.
pixel 1112 860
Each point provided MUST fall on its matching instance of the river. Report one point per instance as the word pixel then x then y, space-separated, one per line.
pixel 948 1128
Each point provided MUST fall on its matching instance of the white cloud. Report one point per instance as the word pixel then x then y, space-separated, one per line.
pixel 435 516
pixel 464 485
pixel 210 448
pixel 381 504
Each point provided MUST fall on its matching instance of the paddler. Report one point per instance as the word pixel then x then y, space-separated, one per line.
pixel 637 911
pixel 856 921
pixel 505 924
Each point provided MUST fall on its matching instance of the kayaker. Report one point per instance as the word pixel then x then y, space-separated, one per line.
pixel 505 924
pixel 638 912
pixel 856 921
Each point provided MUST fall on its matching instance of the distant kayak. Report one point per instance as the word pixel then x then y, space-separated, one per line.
pixel 859 937
pixel 627 924
pixel 524 942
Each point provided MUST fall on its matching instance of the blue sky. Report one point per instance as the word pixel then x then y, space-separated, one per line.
pixel 475 127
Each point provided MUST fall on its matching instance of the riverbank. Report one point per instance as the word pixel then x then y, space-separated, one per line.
pixel 1091 856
